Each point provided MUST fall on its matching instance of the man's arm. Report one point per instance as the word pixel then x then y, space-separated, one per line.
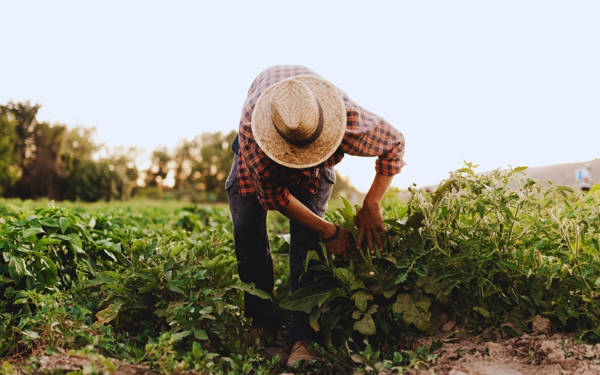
pixel 298 212
pixel 340 239
pixel 370 135
pixel 369 218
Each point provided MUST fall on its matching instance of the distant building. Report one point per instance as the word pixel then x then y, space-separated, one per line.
pixel 584 177
pixel 560 174
pixel 572 174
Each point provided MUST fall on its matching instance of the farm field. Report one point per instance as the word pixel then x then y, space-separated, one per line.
pixel 491 273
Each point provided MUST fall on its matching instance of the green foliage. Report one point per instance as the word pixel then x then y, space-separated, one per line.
pixel 157 283
pixel 39 159
pixel 9 166
pixel 196 169
pixel 490 250
pixel 161 280
pixel 51 248
pixel 372 361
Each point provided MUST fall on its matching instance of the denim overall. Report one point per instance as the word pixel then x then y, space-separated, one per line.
pixel 253 254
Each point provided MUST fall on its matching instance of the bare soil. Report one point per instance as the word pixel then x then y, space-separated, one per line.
pixel 540 353
pixel 64 362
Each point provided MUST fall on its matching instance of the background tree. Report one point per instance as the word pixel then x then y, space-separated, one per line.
pixel 112 177
pixel 10 170
pixel 77 147
pixel 196 169
pixel 35 154
pixel 50 160
pixel 213 165
pixel 159 167
pixel 24 115
pixel 123 172
pixel 83 178
pixel 41 170
pixel 18 128
pixel 39 159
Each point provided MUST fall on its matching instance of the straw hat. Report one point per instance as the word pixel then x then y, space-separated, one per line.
pixel 299 122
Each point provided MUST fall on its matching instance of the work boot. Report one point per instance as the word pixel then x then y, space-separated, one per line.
pixel 259 333
pixel 273 351
pixel 300 352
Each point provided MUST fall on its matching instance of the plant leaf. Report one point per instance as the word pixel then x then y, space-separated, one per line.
pixel 330 296
pixel 311 255
pixel 109 313
pixel 347 278
pixel 365 326
pixel 305 299
pixel 63 222
pixel 29 234
pixel 361 299
pixel 200 334
pixel 313 320
pixel 16 268
pixel 484 312
pixel 251 289
pixel 416 313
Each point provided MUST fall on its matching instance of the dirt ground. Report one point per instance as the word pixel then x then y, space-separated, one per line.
pixel 64 362
pixel 539 353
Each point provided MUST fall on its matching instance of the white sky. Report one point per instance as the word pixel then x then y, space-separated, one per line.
pixel 494 82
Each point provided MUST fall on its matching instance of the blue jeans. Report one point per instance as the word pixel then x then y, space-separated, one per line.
pixel 253 254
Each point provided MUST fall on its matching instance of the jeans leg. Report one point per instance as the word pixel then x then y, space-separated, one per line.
pixel 254 261
pixel 302 240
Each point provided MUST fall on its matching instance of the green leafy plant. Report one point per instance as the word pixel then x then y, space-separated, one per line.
pixel 157 284
pixel 490 250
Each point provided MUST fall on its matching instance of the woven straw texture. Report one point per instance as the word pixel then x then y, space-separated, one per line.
pixel 286 153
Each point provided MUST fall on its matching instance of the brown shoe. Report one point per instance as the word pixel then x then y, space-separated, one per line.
pixel 257 333
pixel 300 352
pixel 273 351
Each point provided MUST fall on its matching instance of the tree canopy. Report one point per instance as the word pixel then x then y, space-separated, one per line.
pixel 39 159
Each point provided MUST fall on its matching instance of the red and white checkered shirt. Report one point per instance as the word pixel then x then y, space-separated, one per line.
pixel 366 135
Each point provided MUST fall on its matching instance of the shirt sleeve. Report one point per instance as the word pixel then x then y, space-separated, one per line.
pixel 270 193
pixel 262 172
pixel 370 135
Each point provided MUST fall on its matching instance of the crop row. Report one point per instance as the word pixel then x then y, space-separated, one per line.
pixel 159 286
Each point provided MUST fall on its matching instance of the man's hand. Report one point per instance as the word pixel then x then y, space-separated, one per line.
pixel 338 240
pixel 370 222
pixel 368 218
pixel 341 244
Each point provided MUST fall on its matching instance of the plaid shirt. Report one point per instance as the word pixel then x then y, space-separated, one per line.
pixel 366 135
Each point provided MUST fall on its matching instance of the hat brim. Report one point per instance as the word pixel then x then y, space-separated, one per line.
pixel 316 152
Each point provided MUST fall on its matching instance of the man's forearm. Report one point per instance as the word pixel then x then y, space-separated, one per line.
pixel 369 218
pixel 378 188
pixel 298 212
